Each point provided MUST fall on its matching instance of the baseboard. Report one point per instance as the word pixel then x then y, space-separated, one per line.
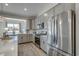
pixel 25 42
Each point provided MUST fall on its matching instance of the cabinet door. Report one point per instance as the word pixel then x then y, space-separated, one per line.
pixel 52 51
pixel 43 43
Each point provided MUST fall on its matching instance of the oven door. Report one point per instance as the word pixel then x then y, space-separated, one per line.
pixel 37 41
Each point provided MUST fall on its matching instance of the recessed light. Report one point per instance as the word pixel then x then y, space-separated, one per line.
pixel 6 4
pixel 25 9
pixel 45 14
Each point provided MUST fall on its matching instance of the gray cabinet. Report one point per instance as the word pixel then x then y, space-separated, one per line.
pixel 43 42
pixel 22 38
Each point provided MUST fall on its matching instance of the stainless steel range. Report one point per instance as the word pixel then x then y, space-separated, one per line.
pixel 37 40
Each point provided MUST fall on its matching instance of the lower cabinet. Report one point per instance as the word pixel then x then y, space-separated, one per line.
pixel 52 52
pixel 22 38
pixel 43 43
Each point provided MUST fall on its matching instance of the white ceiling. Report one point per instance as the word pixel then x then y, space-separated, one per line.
pixel 34 9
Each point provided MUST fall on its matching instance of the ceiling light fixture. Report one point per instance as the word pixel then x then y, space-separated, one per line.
pixel 25 9
pixel 45 14
pixel 6 4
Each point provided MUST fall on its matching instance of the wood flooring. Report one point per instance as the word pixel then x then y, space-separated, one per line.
pixel 29 49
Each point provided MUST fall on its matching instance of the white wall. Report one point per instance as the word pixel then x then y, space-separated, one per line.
pixel 2 26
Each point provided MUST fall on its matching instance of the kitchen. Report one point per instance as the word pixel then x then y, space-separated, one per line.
pixel 44 26
pixel 51 33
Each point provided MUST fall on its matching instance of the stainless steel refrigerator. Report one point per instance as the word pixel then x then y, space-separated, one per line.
pixel 61 35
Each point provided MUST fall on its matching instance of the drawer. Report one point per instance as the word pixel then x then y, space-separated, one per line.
pixel 52 51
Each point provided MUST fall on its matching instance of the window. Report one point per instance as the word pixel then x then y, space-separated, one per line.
pixel 13 29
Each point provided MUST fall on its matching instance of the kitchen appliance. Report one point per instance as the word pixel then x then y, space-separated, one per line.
pixel 61 34
pixel 41 25
pixel 37 40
